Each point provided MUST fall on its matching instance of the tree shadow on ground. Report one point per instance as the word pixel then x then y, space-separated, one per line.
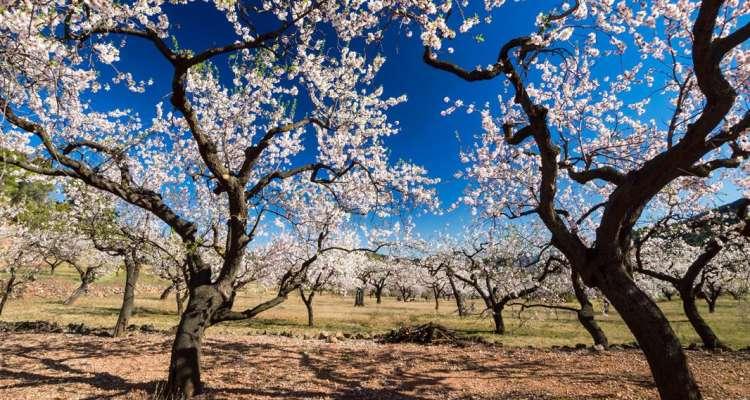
pixel 293 369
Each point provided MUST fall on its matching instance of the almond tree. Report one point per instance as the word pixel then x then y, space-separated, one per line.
pixel 575 140
pixel 503 269
pixel 19 263
pixel 211 164
pixel 697 250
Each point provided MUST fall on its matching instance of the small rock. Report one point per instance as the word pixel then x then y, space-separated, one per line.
pixel 324 335
pixel 598 348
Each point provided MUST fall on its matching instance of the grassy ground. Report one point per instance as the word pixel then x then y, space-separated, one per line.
pixel 540 328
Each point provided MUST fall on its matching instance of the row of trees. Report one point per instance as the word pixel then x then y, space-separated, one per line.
pixel 226 177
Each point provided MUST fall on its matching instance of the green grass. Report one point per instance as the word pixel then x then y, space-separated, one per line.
pixel 536 327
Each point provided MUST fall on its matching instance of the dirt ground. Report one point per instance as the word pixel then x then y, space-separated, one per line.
pixel 64 366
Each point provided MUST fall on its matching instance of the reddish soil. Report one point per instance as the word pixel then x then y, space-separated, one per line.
pixel 62 366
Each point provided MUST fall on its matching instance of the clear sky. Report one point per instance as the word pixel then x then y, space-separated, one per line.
pixel 427 138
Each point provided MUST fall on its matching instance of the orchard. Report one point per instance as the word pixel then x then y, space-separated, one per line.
pixel 497 162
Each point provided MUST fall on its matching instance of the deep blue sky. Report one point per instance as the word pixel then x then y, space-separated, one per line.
pixel 427 138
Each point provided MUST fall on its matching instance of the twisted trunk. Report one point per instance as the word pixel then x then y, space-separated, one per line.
pixel 166 292
pixel 185 364
pixel 132 270
pixel 707 335
pixel 586 313
pixel 655 336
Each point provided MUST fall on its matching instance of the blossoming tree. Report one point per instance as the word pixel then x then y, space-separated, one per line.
pixel 576 141
pixel 212 164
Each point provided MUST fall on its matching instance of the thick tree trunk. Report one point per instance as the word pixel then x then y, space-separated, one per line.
pixel 378 294
pixel 586 313
pixel 185 368
pixel 707 335
pixel 457 296
pixel 132 269
pixel 308 300
pixel 655 336
pixel 497 318
pixel 359 298
pixel 166 292
pixel 436 294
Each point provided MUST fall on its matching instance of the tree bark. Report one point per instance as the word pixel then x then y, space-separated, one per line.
pixel 359 297
pixel 436 294
pixel 586 313
pixel 655 336
pixel 132 269
pixel 497 318
pixel 460 307
pixel 378 294
pixel 711 299
pixel 166 292
pixel 308 300
pixel 7 292
pixel 707 335
pixel 185 365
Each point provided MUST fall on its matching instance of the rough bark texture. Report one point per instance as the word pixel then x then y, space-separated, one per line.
pixel 653 333
pixel 132 270
pixel 185 365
